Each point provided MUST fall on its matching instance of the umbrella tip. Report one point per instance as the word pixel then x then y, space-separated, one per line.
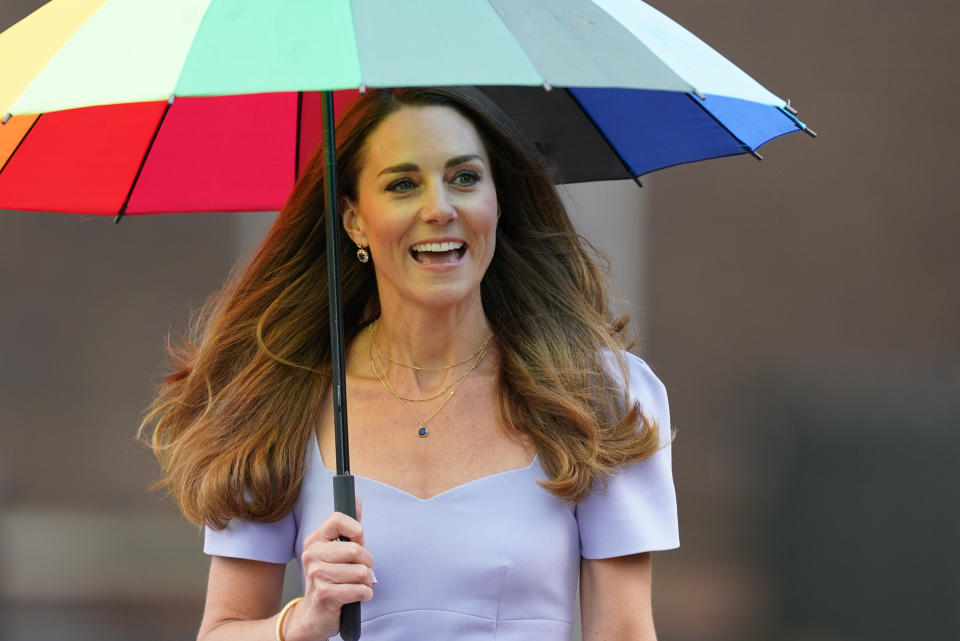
pixel 547 86
pixel 6 118
pixel 790 112
pixel 363 89
pixel 699 94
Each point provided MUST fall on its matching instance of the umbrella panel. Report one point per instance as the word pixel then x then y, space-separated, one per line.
pixel 12 133
pixel 224 153
pixel 556 124
pixel 751 122
pixel 655 129
pixel 310 114
pixel 80 160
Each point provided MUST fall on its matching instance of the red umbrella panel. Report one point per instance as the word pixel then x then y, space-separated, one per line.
pixel 221 153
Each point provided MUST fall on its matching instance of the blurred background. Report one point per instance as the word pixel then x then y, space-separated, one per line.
pixel 804 313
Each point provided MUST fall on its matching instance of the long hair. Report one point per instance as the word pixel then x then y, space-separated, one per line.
pixel 231 423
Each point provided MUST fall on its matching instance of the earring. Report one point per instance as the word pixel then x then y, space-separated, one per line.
pixel 362 254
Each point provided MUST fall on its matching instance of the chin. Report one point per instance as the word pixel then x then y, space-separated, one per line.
pixel 445 297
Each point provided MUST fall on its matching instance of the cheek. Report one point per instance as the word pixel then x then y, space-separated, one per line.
pixel 383 229
pixel 491 212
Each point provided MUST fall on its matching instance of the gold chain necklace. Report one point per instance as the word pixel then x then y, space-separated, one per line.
pixel 373 338
pixel 371 335
pixel 422 430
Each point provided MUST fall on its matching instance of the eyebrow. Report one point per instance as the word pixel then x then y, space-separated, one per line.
pixel 409 166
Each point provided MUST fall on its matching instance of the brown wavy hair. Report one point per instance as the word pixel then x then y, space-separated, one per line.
pixel 231 424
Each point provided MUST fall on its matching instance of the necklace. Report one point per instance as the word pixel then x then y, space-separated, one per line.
pixel 372 335
pixel 422 430
pixel 383 352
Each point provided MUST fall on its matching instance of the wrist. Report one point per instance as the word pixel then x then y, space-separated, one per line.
pixel 283 619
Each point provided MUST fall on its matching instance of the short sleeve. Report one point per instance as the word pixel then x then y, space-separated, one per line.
pixel 636 509
pixel 254 540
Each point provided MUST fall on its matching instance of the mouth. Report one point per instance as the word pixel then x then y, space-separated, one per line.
pixel 450 251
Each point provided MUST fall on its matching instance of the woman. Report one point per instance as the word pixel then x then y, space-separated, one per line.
pixel 504 444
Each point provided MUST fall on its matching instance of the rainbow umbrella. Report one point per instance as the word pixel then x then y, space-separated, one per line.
pixel 123 107
pixel 213 105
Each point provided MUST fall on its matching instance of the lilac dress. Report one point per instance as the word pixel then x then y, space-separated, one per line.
pixel 493 558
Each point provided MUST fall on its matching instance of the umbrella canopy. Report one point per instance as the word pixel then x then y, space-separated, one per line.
pixel 221 98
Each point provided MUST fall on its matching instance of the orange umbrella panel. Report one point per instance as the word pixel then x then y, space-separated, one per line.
pixel 12 133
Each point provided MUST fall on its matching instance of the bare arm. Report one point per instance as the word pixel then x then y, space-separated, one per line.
pixel 243 597
pixel 615 600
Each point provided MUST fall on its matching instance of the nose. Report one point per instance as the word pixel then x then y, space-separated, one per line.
pixel 437 208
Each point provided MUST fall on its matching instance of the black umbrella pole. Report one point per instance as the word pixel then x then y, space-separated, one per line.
pixel 343 494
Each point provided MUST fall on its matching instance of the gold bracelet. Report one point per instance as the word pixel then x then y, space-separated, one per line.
pixel 283 615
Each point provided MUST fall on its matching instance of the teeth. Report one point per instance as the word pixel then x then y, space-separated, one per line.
pixel 437 247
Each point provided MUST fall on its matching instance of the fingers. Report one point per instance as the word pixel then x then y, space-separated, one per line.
pixel 336 572
pixel 359 508
pixel 335 561
pixel 321 564
pixel 327 598
pixel 335 526
pixel 341 552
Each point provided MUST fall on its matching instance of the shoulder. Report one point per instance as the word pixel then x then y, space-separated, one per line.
pixel 635 509
pixel 641 385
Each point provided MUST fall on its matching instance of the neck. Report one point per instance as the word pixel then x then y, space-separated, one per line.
pixel 432 338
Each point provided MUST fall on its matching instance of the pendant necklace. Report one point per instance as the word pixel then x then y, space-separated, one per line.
pixel 422 429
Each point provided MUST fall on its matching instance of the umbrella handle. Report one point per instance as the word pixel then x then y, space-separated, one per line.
pixel 344 501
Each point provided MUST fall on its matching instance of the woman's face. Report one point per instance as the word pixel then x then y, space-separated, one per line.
pixel 426 207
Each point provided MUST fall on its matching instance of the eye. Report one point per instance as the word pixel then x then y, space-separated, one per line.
pixel 466 178
pixel 401 186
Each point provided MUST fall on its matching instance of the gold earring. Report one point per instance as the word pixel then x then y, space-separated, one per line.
pixel 362 254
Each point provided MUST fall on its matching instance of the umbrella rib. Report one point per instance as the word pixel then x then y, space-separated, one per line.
pixel 747 148
pixel 143 161
pixel 22 140
pixel 606 138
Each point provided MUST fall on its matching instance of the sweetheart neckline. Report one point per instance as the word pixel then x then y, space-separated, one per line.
pixel 455 488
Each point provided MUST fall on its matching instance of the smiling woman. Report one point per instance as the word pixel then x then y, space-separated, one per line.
pixel 426 205
pixel 503 442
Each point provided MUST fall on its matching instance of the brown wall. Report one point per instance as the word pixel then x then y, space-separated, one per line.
pixel 805 314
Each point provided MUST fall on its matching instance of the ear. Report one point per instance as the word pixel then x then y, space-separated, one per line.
pixel 353 223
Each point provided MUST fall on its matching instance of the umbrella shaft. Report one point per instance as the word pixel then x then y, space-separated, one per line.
pixel 338 380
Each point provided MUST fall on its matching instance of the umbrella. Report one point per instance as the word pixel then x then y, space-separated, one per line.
pixel 112 102
pixel 176 82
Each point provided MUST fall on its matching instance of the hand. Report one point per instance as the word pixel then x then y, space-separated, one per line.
pixel 337 572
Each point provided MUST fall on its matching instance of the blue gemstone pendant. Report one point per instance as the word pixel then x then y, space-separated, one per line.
pixel 422 431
